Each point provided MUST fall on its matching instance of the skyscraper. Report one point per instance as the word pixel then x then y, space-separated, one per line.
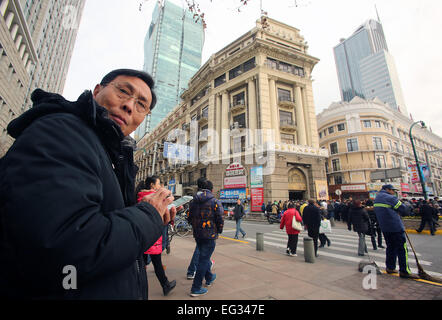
pixel 36 42
pixel 172 54
pixel 366 68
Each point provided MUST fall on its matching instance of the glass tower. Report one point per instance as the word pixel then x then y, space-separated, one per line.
pixel 365 67
pixel 172 55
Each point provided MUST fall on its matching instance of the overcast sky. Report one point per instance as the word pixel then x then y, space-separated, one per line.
pixel 111 35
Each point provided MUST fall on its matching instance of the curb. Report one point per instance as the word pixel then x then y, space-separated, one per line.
pixel 426 232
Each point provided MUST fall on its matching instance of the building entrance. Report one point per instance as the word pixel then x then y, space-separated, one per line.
pixel 296 195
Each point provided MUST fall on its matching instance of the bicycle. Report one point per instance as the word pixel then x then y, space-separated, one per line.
pixel 181 228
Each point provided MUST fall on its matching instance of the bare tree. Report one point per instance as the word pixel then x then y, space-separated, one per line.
pixel 198 15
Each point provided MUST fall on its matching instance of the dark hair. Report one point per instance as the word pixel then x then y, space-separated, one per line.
pixel 357 203
pixel 311 201
pixel 290 205
pixel 132 73
pixel 203 183
pixel 150 180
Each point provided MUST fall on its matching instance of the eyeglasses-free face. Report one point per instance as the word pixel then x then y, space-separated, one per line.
pixel 127 99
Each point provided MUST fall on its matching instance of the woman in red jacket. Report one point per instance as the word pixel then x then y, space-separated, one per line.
pixel 152 184
pixel 286 220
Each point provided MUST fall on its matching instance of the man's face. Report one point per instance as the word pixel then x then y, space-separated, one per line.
pixel 391 191
pixel 125 112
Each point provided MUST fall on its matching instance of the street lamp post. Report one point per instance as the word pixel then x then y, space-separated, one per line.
pixel 416 159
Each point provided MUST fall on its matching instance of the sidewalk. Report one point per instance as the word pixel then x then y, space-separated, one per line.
pixel 246 274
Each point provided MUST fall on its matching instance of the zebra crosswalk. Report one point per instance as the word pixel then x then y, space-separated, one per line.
pixel 344 247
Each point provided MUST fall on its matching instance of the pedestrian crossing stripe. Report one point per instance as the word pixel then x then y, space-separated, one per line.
pixel 333 246
pixel 340 243
pixel 339 237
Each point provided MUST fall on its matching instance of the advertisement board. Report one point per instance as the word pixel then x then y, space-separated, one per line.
pixel 256 177
pixel 321 189
pixel 257 198
pixel 233 193
pixel 235 182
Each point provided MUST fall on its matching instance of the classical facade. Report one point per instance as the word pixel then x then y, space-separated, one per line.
pixel 247 122
pixel 363 136
pixel 36 42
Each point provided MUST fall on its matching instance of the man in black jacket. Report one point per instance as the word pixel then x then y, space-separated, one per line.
pixel 238 214
pixel 426 217
pixel 312 220
pixel 70 227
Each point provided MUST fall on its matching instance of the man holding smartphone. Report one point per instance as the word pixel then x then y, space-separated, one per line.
pixel 67 195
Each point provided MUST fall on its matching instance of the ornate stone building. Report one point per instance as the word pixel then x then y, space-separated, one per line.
pixel 364 136
pixel 248 121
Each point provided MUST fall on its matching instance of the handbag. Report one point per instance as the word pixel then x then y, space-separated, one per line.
pixel 325 226
pixel 296 224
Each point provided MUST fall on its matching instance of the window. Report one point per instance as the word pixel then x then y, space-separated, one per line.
pixel 287 138
pixel 352 145
pixel 380 161
pixel 285 118
pixel 320 135
pixel 284 95
pixel 334 148
pixel 220 80
pixel 203 173
pixel 341 127
pixel 238 99
pixel 241 119
pixel 205 112
pixel 396 147
pixel 338 179
pixel 393 162
pixel 367 123
pixel 377 143
pixel 377 124
pixel 331 130
pixel 390 146
pixel 335 165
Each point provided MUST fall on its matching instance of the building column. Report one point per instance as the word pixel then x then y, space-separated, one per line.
pixel 274 109
pixel 225 130
pixel 252 111
pixel 218 126
pixel 300 119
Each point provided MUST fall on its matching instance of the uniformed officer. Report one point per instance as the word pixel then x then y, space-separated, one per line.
pixel 387 209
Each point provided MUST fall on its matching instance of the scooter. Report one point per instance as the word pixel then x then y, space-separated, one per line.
pixel 271 218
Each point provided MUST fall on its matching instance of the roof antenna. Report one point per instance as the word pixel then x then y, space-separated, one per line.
pixel 377 13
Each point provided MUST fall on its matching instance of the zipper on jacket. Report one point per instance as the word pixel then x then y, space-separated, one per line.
pixel 137 269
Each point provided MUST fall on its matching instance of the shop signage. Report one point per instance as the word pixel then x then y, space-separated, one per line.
pixel 405 187
pixel 235 169
pixel 257 199
pixel 354 187
pixel 232 193
pixel 235 182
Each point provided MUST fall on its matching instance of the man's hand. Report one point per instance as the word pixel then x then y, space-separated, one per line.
pixel 160 200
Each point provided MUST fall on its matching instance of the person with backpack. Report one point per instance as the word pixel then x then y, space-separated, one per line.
pixel 206 217
pixel 238 214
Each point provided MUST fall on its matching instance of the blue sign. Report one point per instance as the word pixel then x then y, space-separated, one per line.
pixel 233 193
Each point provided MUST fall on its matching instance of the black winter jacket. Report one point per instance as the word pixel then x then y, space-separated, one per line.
pixel 206 216
pixel 238 212
pixel 358 217
pixel 67 199
pixel 311 217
